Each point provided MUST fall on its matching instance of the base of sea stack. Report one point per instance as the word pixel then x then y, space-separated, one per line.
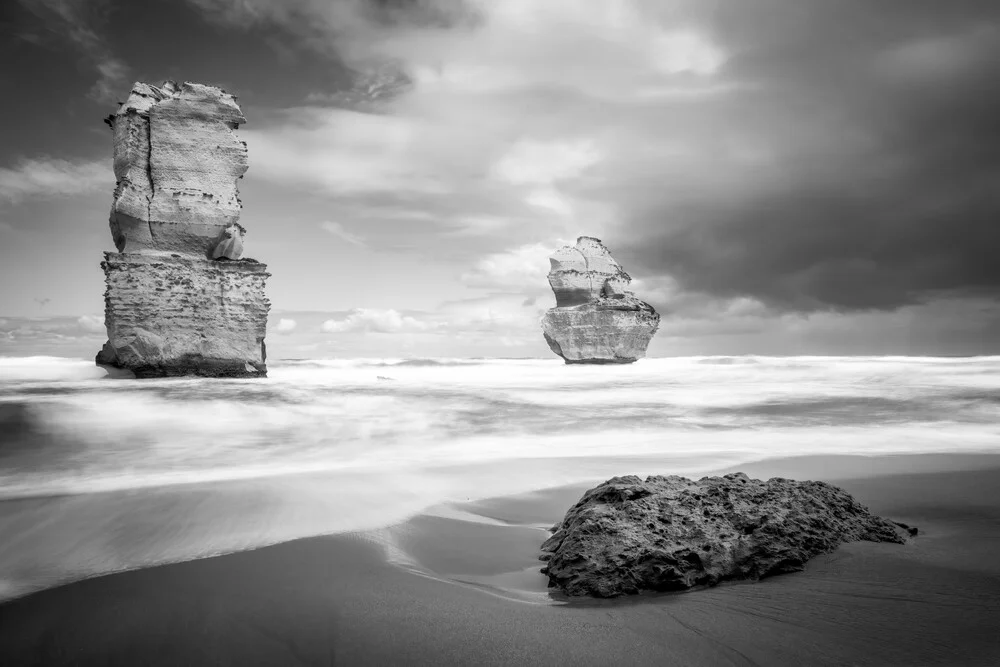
pixel 190 365
pixel 599 361
pixel 607 331
pixel 168 315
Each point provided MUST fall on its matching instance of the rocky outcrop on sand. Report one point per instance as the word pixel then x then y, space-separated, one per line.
pixel 181 299
pixel 672 534
pixel 596 319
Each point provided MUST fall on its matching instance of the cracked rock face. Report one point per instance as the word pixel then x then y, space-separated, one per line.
pixel 181 299
pixel 627 535
pixel 597 320
pixel 169 316
pixel 177 160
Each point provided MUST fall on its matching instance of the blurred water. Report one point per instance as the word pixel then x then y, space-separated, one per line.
pixel 65 428
pixel 126 473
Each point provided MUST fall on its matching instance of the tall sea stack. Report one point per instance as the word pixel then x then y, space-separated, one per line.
pixel 181 299
pixel 597 320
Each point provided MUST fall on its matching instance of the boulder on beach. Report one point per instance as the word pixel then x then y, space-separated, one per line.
pixel 628 535
pixel 596 320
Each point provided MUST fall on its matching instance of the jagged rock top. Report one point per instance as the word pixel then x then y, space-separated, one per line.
pixel 585 272
pixel 597 319
pixel 671 533
pixel 177 160
pixel 214 102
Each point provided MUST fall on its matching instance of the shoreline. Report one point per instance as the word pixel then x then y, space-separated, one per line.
pixel 459 583
pixel 18 512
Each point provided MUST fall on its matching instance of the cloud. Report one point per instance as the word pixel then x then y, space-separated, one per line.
pixel 92 323
pixel 338 230
pixel 530 162
pixel 79 337
pixel 285 326
pixel 80 22
pixel 482 139
pixel 846 179
pixel 523 269
pixel 45 177
pixel 375 321
pixel 41 329
pixel 343 152
pixel 494 314
pixel 736 150
pixel 609 49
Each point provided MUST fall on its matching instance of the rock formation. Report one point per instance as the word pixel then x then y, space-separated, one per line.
pixel 229 245
pixel 177 160
pixel 597 320
pixel 671 534
pixel 180 297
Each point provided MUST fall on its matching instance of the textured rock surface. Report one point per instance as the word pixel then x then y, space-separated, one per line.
pixel 177 160
pixel 229 245
pixel 671 533
pixel 172 315
pixel 180 297
pixel 596 319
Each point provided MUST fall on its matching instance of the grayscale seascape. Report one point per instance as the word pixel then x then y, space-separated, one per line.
pixel 500 332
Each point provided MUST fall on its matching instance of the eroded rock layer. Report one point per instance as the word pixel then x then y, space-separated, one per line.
pixel 601 332
pixel 597 320
pixel 177 160
pixel 627 535
pixel 170 315
pixel 180 297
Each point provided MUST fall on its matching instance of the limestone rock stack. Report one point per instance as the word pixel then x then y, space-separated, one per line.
pixel 180 297
pixel 597 320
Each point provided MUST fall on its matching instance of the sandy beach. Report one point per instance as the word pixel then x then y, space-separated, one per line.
pixel 459 584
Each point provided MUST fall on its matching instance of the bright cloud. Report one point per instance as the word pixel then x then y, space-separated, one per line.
pixel 506 126
pixel 285 326
pixel 343 152
pixel 550 199
pixel 544 163
pixel 92 323
pixel 604 48
pixel 523 269
pixel 52 177
pixel 338 230
pixel 374 321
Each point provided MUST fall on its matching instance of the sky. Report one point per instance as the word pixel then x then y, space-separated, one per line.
pixel 778 176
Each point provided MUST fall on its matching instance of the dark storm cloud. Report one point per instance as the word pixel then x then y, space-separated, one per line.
pixel 422 13
pixel 884 122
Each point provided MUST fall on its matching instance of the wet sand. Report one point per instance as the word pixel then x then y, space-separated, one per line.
pixel 460 585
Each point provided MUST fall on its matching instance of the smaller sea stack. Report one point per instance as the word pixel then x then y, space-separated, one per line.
pixel 597 320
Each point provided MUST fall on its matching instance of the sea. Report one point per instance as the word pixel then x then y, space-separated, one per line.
pixel 100 474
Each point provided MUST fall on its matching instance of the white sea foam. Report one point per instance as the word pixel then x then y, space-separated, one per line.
pixel 161 470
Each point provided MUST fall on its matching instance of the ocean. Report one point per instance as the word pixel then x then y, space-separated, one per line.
pixel 99 474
